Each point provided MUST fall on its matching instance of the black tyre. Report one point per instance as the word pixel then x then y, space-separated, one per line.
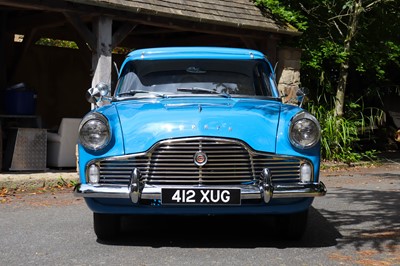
pixel 292 226
pixel 106 226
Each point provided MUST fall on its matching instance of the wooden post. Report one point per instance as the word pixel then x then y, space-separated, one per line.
pixel 102 54
pixel 100 42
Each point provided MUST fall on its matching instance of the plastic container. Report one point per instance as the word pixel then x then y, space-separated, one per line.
pixel 19 100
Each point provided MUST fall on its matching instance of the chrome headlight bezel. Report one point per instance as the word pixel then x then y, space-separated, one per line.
pixel 94 132
pixel 305 131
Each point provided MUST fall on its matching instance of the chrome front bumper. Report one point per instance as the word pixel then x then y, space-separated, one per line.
pixel 264 190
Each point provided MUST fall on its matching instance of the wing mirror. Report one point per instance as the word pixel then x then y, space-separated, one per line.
pixel 301 94
pixel 99 95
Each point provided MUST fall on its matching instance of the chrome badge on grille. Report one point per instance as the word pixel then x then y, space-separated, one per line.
pixel 200 158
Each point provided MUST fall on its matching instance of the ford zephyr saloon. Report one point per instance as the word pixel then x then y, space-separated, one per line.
pixel 197 131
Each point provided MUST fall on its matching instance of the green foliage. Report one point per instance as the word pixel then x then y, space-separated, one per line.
pixel 375 51
pixel 340 135
pixel 393 51
pixel 373 61
pixel 57 43
pixel 73 45
pixel 121 50
pixel 64 183
pixel 328 50
pixel 293 17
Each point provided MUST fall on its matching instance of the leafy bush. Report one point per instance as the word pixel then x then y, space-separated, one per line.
pixel 340 135
pixel 57 43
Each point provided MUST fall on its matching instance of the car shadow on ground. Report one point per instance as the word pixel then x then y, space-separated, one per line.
pixel 219 232
pixel 347 218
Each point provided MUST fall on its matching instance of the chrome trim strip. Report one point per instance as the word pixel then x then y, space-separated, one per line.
pixel 153 192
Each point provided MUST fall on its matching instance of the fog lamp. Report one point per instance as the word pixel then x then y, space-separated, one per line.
pixel 94 174
pixel 305 173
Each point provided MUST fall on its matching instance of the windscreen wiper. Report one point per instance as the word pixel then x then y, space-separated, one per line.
pixel 205 90
pixel 134 92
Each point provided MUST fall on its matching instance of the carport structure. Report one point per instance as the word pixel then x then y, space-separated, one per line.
pixel 60 76
pixel 99 26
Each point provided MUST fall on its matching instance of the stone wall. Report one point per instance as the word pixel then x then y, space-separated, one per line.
pixel 288 73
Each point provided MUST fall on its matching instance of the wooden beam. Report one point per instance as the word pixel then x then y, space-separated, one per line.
pixel 193 26
pixel 271 49
pixel 84 50
pixel 136 40
pixel 35 19
pixel 122 33
pixel 82 29
pixel 29 39
pixel 250 43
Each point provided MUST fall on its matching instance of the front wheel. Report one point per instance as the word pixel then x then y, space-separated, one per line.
pixel 106 226
pixel 292 226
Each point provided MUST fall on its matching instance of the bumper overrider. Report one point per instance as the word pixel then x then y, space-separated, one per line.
pixel 136 190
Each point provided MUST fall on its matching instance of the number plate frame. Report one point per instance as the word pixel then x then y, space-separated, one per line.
pixel 201 196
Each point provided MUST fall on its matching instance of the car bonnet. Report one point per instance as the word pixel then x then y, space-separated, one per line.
pixel 145 122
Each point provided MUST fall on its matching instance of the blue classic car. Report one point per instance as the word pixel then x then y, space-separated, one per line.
pixel 197 131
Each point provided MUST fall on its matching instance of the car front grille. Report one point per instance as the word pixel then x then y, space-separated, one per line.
pixel 172 163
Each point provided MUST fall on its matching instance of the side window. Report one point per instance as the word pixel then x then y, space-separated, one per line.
pixel 267 84
pixel 258 82
pixel 262 81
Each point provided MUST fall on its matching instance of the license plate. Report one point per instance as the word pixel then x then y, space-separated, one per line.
pixel 200 196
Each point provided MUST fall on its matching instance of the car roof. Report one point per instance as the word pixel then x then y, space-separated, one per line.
pixel 164 53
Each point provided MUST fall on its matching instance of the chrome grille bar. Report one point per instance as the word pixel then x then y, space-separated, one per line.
pixel 171 162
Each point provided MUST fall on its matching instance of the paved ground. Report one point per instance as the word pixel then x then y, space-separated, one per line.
pixel 356 223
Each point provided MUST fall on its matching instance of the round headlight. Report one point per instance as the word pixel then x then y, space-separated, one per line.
pixel 305 131
pixel 94 132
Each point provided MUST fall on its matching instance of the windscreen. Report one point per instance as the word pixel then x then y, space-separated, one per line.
pixel 183 77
